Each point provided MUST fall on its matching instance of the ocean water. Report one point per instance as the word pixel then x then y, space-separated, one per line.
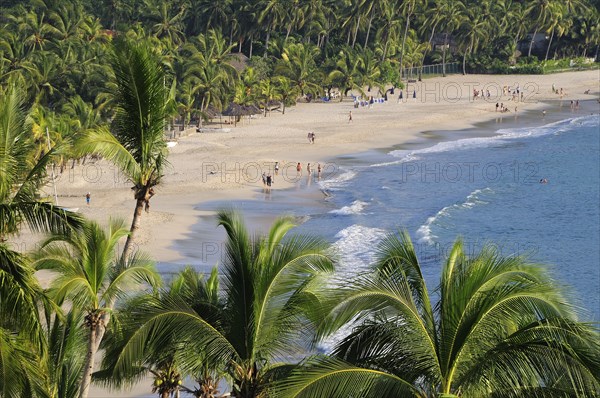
pixel 526 188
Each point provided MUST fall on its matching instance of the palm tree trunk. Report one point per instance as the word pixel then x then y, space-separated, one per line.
pixel 89 365
pixel 356 31
pixel 135 224
pixel 385 47
pixel 425 52
pixel 517 36
pixel 267 41
pixel 368 31
pixel 549 44
pixel 200 118
pixel 251 43
pixel 465 63
pixel 283 107
pixel 444 55
pixel 404 42
pixel 532 39
pixel 96 334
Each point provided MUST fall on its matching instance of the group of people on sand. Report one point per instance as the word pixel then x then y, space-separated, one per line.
pixel 309 170
pixel 501 108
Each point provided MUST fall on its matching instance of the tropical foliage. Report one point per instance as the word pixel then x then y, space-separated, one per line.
pixel 500 327
pixel 92 275
pixel 247 331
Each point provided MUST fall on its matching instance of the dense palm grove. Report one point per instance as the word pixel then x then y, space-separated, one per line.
pixel 58 47
pixel 83 78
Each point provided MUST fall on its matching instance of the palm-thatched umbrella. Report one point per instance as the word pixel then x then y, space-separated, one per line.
pixel 234 110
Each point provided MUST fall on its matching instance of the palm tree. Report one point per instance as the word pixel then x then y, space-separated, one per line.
pixel 261 316
pixel 299 65
pixel 346 75
pixel 23 174
pixel 92 276
pixel 285 91
pixel 136 143
pixel 500 328
pixel 189 287
pixel 22 343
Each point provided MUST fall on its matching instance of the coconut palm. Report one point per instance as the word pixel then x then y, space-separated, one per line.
pixel 500 328
pixel 347 73
pixel 22 175
pixel 136 141
pixel 261 316
pixel 91 275
pixel 189 287
pixel 22 342
pixel 299 65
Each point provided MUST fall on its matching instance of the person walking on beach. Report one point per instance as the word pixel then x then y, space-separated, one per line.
pixel 88 197
pixel 269 181
pixel 298 169
pixel 309 137
pixel 264 178
pixel 276 168
pixel 349 118
pixel 313 138
pixel 308 169
pixel 319 171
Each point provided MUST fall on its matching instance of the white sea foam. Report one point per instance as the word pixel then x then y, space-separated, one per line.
pixel 354 247
pixel 355 208
pixel 340 180
pixel 405 156
pixel 424 232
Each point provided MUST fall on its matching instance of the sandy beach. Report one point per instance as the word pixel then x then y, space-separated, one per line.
pixel 227 163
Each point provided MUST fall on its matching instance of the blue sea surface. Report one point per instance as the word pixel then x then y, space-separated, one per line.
pixel 528 190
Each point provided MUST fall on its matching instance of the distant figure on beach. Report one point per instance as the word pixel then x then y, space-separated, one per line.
pixel 415 93
pixel 312 138
pixel 544 113
pixel 497 105
pixel 264 178
pixel 298 169
pixel 577 104
pixel 553 89
pixel 309 137
pixel 88 197
pixel 319 171
pixel 400 96
pixel 269 181
pixel 349 119
pixel 308 169
pixel 276 168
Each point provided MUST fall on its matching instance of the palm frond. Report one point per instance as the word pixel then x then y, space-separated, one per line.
pixel 328 377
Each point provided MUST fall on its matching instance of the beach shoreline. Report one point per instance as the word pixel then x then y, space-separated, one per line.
pixel 221 167
pixel 208 167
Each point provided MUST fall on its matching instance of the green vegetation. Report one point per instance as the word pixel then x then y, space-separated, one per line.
pixel 59 50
